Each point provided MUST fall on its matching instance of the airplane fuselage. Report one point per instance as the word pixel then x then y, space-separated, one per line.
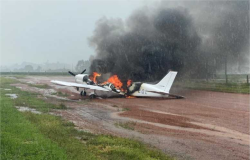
pixel 144 91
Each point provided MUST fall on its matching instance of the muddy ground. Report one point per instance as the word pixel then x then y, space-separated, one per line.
pixel 206 125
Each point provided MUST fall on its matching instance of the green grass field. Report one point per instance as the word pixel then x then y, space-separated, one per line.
pixel 215 86
pixel 30 136
pixel 126 125
pixel 22 74
pixel 42 86
pixel 61 94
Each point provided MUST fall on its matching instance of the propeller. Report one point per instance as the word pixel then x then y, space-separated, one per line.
pixel 73 74
pixel 83 71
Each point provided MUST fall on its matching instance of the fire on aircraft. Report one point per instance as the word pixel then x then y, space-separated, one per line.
pixel 88 85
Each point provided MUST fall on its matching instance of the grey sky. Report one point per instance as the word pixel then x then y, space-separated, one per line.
pixel 54 30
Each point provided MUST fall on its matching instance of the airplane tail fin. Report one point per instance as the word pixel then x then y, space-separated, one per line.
pixel 166 83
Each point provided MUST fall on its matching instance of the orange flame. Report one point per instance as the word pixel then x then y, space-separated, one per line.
pixel 115 81
pixel 93 76
pixel 129 82
pixel 130 97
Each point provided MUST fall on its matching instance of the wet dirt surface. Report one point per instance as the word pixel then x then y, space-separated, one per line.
pixel 206 125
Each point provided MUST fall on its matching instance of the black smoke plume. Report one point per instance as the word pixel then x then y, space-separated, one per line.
pixel 153 41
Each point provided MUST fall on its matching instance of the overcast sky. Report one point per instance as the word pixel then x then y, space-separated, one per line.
pixel 41 31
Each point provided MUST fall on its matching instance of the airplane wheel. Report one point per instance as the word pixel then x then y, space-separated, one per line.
pixel 84 93
pixel 81 93
pixel 92 96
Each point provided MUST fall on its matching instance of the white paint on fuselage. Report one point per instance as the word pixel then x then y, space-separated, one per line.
pixel 143 91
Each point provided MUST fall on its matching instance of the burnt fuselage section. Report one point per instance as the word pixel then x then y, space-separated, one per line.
pixel 134 87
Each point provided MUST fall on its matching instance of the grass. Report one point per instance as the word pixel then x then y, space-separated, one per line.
pixel 21 139
pixel 18 76
pixel 44 136
pixel 79 144
pixel 35 73
pixel 62 133
pixel 27 99
pixel 232 77
pixel 30 100
pixel 125 109
pixel 62 106
pixel 61 94
pixel 215 86
pixel 126 125
pixel 42 86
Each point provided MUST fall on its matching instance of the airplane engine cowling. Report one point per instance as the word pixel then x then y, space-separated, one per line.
pixel 80 78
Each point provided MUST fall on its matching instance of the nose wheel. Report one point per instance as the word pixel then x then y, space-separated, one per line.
pixel 83 93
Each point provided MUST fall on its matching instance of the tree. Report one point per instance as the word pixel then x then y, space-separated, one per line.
pixel 28 68
pixel 232 35
pixel 39 68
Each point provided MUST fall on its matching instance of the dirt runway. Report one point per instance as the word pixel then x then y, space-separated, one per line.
pixel 206 125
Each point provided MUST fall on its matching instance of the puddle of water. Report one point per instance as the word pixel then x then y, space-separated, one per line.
pixel 27 109
pixel 12 96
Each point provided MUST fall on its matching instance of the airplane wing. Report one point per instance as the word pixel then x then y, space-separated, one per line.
pixel 165 93
pixel 70 84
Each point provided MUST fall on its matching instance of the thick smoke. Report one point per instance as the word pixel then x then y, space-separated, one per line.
pixel 191 38
pixel 224 28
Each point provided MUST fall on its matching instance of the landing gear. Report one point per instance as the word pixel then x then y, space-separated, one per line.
pixel 92 96
pixel 83 93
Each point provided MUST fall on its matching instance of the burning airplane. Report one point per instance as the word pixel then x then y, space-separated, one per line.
pixel 87 85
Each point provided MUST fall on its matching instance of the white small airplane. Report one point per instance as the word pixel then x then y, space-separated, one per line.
pixel 136 89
